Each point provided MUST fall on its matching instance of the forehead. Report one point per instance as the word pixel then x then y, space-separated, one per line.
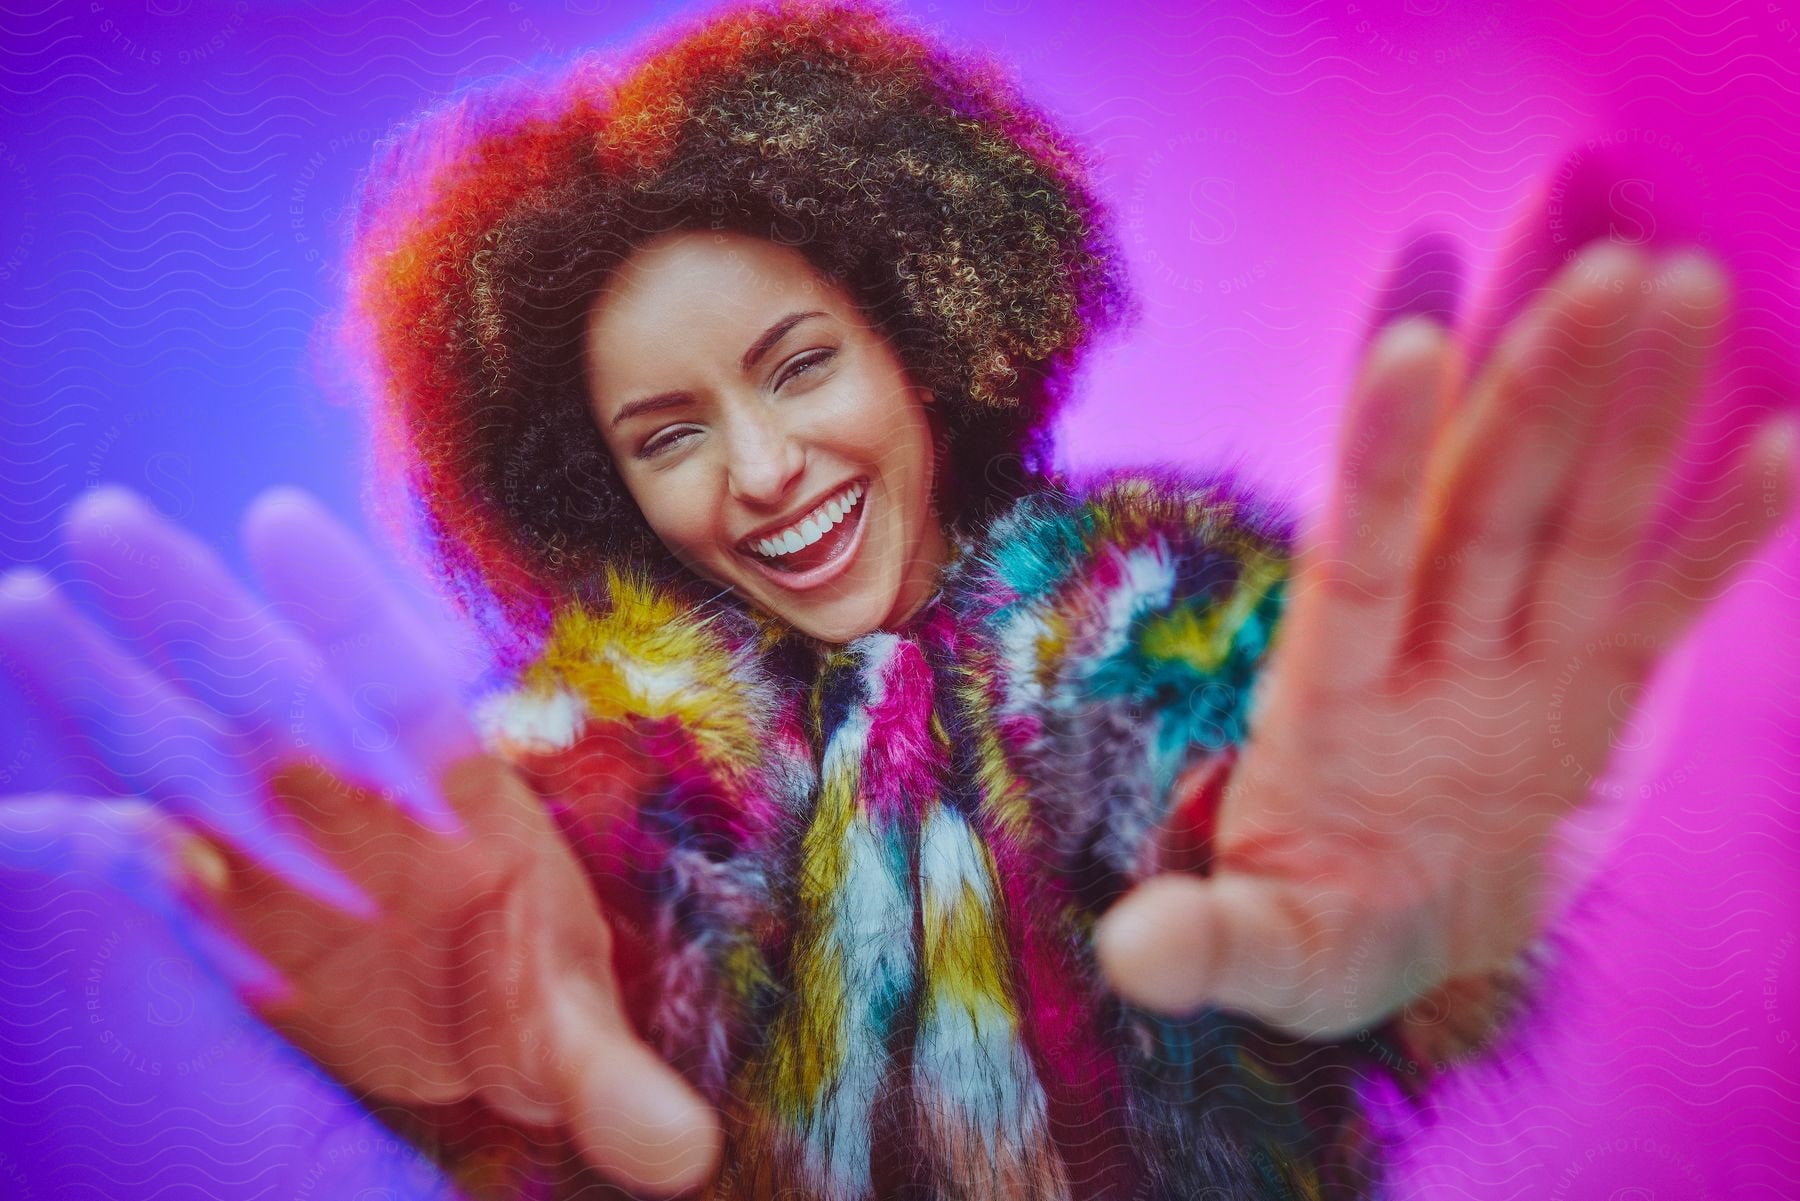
pixel 696 284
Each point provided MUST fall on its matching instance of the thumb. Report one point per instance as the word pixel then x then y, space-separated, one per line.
pixel 628 1113
pixel 1425 278
pixel 1296 955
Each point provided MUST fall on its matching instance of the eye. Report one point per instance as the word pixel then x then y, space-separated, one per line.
pixel 801 364
pixel 667 440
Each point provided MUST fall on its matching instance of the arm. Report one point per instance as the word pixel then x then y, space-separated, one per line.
pixel 1388 835
pixel 1195 573
pixel 424 934
pixel 1145 615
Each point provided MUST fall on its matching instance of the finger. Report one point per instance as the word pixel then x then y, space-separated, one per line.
pixel 182 610
pixel 1616 496
pixel 1424 280
pixel 285 926
pixel 1597 191
pixel 1642 628
pixel 377 1024
pixel 1508 458
pixel 192 865
pixel 399 679
pixel 372 841
pixel 1557 221
pixel 160 744
pixel 1357 578
pixel 499 808
pixel 136 847
pixel 629 1114
pixel 1724 530
pixel 1261 945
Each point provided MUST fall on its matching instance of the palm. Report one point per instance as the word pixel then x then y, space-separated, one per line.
pixel 1443 690
pixel 429 937
pixel 436 998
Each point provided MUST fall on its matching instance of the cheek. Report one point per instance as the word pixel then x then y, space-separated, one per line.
pixel 911 446
pixel 682 517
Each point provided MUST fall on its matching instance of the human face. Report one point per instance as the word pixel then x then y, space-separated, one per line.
pixel 744 399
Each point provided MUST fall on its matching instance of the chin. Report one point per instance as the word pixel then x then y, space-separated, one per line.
pixel 833 624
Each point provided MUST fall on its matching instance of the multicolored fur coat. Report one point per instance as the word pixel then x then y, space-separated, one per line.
pixel 854 886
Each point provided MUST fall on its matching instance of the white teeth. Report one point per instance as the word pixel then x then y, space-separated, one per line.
pixel 812 527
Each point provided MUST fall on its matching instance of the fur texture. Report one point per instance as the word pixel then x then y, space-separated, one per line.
pixel 855 897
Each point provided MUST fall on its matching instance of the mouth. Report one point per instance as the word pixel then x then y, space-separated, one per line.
pixel 815 563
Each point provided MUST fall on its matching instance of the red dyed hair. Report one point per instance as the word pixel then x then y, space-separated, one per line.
pixel 917 177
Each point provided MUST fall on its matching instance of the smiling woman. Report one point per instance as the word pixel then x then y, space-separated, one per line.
pixel 872 810
pixel 842 164
pixel 769 435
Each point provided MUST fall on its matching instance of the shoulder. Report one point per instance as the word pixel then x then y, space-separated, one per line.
pixel 650 656
pixel 1065 530
pixel 1136 579
pixel 1127 618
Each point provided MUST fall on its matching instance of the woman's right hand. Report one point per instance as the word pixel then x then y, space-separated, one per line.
pixel 430 935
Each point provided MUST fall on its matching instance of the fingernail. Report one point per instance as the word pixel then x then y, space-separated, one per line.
pixel 1694 268
pixel 105 502
pixel 1411 335
pixel 1779 435
pixel 1606 259
pixel 26 584
pixel 1118 941
pixel 202 864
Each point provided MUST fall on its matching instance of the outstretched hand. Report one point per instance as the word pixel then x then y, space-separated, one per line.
pixel 1483 581
pixel 414 920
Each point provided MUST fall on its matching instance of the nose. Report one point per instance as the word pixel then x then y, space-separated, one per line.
pixel 766 459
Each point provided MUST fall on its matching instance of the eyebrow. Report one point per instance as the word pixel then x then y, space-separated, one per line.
pixel 771 336
pixel 652 404
pixel 668 400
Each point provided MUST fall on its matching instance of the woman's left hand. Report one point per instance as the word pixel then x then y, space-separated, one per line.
pixel 1443 687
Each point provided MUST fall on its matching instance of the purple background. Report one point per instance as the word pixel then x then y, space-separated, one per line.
pixel 174 172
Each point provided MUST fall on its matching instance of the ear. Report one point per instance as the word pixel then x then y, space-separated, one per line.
pixel 938 420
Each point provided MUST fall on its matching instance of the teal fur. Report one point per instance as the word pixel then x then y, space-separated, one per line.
pixel 1036 645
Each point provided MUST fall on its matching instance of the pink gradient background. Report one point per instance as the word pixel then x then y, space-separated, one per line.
pixel 175 172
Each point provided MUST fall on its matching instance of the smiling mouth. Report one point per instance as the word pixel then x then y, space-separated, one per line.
pixel 834 542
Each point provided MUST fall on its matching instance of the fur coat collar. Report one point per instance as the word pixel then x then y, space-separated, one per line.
pixel 853 887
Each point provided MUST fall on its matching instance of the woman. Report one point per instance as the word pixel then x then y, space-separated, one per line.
pixel 840 720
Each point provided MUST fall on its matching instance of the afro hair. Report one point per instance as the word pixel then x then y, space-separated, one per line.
pixel 914 176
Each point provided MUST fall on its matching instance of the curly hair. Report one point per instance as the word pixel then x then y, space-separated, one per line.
pixel 916 177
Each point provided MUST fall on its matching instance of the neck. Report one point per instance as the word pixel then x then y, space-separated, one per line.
pixel 924 583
